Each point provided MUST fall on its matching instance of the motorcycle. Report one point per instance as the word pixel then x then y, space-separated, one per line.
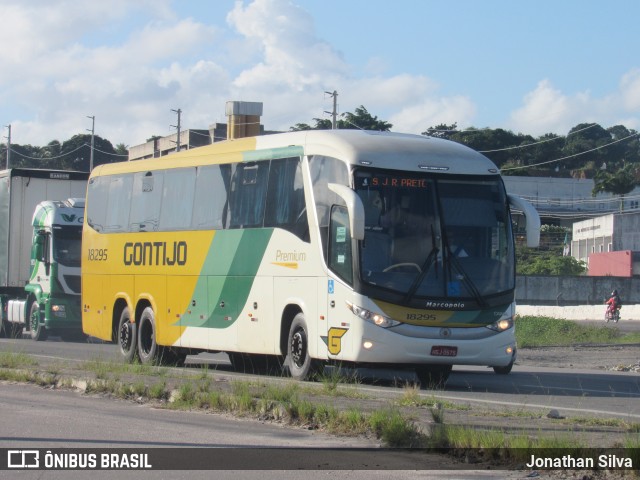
pixel 612 314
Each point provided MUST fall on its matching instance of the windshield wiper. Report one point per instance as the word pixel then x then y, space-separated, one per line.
pixel 426 266
pixel 453 260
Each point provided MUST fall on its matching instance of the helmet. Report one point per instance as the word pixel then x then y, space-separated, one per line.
pixel 615 292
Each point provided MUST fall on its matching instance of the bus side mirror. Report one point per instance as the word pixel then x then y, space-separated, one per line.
pixel 532 218
pixel 354 207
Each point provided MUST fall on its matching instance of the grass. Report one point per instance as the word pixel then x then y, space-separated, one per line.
pixel 16 360
pixel 545 331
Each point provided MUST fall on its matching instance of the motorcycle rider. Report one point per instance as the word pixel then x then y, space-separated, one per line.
pixel 614 303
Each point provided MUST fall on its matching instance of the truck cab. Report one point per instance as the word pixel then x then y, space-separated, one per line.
pixel 51 300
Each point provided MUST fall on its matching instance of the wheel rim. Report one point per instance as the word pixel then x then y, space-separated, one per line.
pixel 35 320
pixel 298 348
pixel 125 336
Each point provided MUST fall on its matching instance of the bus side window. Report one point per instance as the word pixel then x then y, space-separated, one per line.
pixel 248 193
pixel 340 256
pixel 98 192
pixel 285 207
pixel 146 201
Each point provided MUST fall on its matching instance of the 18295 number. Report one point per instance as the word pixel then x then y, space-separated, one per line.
pixel 98 254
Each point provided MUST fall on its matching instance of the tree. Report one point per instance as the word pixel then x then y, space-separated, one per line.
pixel 497 144
pixel 625 150
pixel 77 152
pixel 122 149
pixel 620 182
pixel 547 263
pixel 362 119
pixel 583 144
pixel 442 131
pixel 321 124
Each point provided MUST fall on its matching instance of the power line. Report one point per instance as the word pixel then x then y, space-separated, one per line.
pixel 515 147
pixel 66 153
pixel 569 156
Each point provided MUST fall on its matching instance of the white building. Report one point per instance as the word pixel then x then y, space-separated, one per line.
pixel 608 233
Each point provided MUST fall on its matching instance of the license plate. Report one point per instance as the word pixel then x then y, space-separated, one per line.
pixel 443 351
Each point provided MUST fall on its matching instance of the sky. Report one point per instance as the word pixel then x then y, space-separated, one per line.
pixel 532 67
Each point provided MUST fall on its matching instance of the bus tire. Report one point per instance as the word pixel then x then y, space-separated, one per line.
pixel 148 349
pixel 503 370
pixel 433 376
pixel 300 365
pixel 127 336
pixel 37 330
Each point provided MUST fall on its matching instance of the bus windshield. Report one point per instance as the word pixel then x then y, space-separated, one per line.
pixel 435 237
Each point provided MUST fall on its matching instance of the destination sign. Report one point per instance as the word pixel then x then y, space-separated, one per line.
pixel 393 182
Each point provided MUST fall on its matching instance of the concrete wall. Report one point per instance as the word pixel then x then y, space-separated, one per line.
pixel 551 290
pixel 582 312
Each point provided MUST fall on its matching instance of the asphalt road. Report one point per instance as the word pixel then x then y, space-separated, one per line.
pixel 582 391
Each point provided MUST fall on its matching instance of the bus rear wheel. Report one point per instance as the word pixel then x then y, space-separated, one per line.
pixel 38 331
pixel 300 365
pixel 148 349
pixel 127 336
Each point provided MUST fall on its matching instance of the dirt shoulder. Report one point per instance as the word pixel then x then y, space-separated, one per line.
pixel 597 357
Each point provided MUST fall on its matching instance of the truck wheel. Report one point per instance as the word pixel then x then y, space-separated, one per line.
pixel 38 331
pixel 148 349
pixel 300 365
pixel 127 336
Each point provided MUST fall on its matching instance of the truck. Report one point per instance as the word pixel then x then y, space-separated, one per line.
pixel 41 215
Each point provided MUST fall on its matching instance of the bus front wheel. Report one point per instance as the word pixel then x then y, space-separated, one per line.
pixel 300 365
pixel 127 336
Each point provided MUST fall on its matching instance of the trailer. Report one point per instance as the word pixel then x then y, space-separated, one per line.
pixel 41 215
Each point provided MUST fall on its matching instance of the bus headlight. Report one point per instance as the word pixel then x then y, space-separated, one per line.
pixel 59 310
pixel 375 318
pixel 501 325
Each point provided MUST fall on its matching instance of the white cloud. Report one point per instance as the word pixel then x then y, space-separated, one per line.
pixel 547 109
pixel 434 111
pixel 292 56
pixel 630 90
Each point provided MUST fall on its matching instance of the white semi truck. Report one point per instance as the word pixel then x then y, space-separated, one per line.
pixel 41 214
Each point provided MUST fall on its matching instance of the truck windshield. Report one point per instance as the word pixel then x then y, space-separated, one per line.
pixel 431 237
pixel 67 241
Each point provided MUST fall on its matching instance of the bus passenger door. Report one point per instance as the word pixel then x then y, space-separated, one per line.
pixel 340 262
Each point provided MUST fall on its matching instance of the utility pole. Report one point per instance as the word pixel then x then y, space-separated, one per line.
pixel 93 128
pixel 334 113
pixel 8 145
pixel 179 112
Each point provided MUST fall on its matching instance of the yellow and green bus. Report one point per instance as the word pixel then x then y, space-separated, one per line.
pixel 307 248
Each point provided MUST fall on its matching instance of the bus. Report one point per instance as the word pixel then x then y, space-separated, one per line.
pixel 313 248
